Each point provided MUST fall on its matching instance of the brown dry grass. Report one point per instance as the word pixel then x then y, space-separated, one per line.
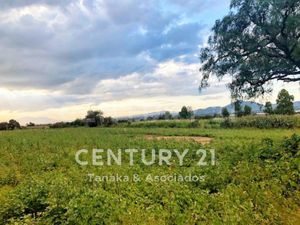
pixel 199 139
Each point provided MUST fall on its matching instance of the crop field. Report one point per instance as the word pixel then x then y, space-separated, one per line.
pixel 254 179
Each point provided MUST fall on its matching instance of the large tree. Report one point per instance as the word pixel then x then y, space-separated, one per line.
pixel 94 118
pixel 257 42
pixel 284 103
pixel 13 124
pixel 186 112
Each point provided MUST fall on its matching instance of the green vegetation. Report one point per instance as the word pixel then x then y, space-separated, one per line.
pixel 166 116
pixel 238 108
pixel 247 110
pixel 269 108
pixel 256 42
pixel 285 103
pixel 225 112
pixel 255 181
pixel 256 178
pixel 263 122
pixel 186 113
pixel 203 123
pixel 11 125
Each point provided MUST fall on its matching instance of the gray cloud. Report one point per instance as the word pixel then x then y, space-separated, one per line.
pixel 9 4
pixel 96 39
pixel 196 6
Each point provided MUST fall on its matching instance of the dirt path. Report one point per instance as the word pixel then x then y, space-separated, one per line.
pixel 201 140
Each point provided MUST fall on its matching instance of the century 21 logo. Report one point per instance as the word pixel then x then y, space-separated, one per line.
pixel 101 157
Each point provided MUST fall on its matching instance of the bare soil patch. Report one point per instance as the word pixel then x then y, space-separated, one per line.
pixel 199 139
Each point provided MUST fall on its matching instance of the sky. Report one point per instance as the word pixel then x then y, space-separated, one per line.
pixel 60 58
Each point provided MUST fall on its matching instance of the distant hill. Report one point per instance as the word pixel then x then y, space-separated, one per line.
pixel 297 105
pixel 145 116
pixel 256 107
pixel 210 111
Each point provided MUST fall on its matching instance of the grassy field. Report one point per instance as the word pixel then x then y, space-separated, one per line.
pixel 255 180
pixel 262 122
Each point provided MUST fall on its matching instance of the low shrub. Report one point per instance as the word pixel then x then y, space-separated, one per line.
pixel 266 122
pixel 194 124
pixel 164 124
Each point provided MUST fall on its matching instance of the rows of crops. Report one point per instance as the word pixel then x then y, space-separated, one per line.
pixel 262 122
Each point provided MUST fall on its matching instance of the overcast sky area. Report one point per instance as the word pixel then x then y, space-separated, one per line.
pixel 60 58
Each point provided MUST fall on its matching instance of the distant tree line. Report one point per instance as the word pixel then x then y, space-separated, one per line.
pixel 10 125
pixel 238 110
pixel 284 106
pixel 92 119
pixel 186 112
pixel 95 118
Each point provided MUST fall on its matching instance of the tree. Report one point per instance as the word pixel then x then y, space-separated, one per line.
pixel 4 126
pixel 225 112
pixel 168 115
pixel 94 118
pixel 268 108
pixel 247 110
pixel 108 121
pixel 285 103
pixel 30 124
pixel 165 116
pixel 238 108
pixel 13 124
pixel 257 42
pixel 161 117
pixel 186 112
pixel 149 118
pixel 78 123
pixel 60 125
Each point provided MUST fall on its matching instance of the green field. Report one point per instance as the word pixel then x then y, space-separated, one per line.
pixel 255 181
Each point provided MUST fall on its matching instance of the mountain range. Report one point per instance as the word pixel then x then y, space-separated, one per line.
pixel 256 108
pixel 210 111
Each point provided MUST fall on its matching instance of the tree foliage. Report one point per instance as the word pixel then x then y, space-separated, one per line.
pixel 78 123
pixel 168 115
pixel 108 121
pixel 257 42
pixel 11 125
pixel 225 112
pixel 186 112
pixel 94 118
pixel 165 116
pixel 30 124
pixel 285 103
pixel 3 126
pixel 247 110
pixel 238 108
pixel 268 108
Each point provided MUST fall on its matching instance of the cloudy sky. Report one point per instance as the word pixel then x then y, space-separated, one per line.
pixel 60 58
